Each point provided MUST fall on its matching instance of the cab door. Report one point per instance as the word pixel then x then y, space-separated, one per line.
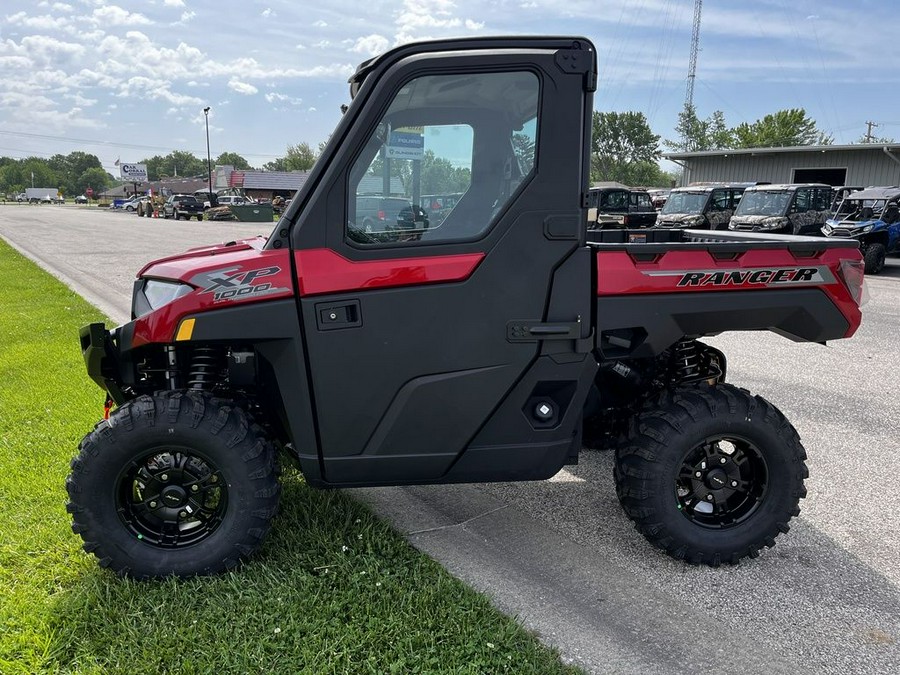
pixel 454 348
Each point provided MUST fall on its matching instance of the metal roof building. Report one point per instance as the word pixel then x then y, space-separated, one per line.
pixel 862 164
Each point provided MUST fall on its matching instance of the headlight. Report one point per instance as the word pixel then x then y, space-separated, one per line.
pixel 158 294
pixel 775 224
pixel 826 229
pixel 868 228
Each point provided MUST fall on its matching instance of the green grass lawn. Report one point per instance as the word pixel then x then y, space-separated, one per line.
pixel 334 590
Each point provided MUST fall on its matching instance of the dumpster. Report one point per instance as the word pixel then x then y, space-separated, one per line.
pixel 252 213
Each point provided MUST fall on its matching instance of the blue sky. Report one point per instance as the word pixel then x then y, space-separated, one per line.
pixel 127 79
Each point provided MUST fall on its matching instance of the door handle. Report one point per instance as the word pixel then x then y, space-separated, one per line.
pixel 336 315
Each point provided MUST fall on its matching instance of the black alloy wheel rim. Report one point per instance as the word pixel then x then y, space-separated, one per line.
pixel 721 482
pixel 171 498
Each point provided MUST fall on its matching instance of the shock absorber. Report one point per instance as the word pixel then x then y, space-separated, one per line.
pixel 206 366
pixel 171 372
pixel 686 361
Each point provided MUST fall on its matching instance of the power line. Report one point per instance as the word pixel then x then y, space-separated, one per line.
pixel 110 144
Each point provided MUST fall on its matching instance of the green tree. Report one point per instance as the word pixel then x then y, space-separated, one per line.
pixel 232 159
pixel 69 168
pixel 875 140
pixel 176 163
pixel 44 176
pixel 785 128
pixel 523 146
pixel 95 178
pixel 437 175
pixel 277 164
pixel 619 142
pixel 299 157
pixel 696 135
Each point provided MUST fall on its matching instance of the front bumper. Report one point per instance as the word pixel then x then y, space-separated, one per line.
pixel 104 359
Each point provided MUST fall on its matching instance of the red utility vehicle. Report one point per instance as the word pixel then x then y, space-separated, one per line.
pixel 476 347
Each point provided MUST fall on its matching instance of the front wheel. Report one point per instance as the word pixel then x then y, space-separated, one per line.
pixel 874 258
pixel 179 483
pixel 711 474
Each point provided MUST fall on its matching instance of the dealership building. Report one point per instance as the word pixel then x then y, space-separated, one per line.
pixel 863 164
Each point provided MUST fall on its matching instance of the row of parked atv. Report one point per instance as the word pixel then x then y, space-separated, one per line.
pixel 870 215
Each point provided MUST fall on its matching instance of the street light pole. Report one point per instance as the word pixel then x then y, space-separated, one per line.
pixel 208 159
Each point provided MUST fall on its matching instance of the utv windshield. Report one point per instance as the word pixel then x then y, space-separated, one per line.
pixel 686 202
pixel 762 203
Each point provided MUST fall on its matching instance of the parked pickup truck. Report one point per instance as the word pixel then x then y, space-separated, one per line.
pixel 474 349
pixel 182 206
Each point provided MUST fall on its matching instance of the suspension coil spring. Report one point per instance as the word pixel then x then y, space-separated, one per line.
pixel 686 361
pixel 206 364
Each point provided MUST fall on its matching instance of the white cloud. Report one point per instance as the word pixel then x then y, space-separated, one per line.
pixel 81 100
pixel 113 15
pixel 155 89
pixel 268 12
pixel 320 24
pixel 40 22
pixel 63 7
pixel 371 44
pixel 242 87
pixel 187 16
pixel 43 49
pixel 174 3
pixel 275 97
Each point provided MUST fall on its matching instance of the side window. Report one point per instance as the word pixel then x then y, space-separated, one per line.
pixel 643 201
pixel 719 200
pixel 444 160
pixel 802 201
pixel 822 199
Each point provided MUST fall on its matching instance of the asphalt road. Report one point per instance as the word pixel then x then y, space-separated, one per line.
pixel 560 554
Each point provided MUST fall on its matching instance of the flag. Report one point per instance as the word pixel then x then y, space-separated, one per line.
pixel 116 163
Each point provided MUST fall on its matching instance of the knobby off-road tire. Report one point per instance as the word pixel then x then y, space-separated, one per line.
pixel 711 474
pixel 178 483
pixel 874 258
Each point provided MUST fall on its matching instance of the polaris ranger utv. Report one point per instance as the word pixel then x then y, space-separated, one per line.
pixel 471 349
pixel 871 217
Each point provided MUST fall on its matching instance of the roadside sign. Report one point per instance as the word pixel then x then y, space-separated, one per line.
pixel 134 172
pixel 406 145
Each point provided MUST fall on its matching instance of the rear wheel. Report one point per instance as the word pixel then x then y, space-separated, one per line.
pixel 874 258
pixel 179 483
pixel 711 474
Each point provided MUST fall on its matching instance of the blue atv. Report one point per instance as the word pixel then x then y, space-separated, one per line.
pixel 871 216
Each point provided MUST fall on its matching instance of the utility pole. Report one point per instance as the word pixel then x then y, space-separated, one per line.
pixel 869 137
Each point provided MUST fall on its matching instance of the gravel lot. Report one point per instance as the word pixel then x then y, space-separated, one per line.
pixel 561 555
